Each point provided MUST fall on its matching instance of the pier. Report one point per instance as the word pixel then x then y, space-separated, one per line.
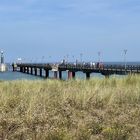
pixel 71 68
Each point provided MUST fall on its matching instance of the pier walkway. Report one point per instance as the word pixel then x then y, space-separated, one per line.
pixel 71 68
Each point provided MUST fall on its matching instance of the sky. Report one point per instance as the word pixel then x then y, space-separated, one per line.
pixel 51 30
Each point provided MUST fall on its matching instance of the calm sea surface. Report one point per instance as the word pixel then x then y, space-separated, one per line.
pixel 9 75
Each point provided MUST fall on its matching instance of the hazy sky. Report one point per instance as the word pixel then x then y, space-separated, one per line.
pixel 48 30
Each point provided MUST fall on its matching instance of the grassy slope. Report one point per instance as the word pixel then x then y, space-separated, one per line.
pixel 71 110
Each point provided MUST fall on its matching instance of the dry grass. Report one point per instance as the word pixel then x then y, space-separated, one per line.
pixel 97 109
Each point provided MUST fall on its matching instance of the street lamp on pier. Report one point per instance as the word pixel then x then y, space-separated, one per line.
pixel 125 52
pixel 81 57
pixel 99 56
pixel 42 59
pixel 50 58
pixel 73 58
pixel 67 57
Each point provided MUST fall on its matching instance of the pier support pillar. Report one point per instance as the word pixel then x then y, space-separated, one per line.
pixel 69 75
pixel 60 74
pixel 73 75
pixel 40 72
pixel 35 71
pixel 23 69
pixel 27 70
pixel 46 73
pixel 14 67
pixel 31 71
pixel 87 75
pixel 55 74
pixel 20 69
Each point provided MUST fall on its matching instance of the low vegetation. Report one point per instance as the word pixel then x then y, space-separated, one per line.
pixel 98 109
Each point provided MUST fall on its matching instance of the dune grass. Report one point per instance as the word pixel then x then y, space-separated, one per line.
pixel 98 109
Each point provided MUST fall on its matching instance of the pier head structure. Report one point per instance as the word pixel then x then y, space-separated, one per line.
pixel 2 64
pixel 42 70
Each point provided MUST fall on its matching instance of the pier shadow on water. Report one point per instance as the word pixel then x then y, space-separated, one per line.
pixel 9 75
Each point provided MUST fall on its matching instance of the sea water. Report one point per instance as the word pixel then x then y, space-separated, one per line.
pixel 9 75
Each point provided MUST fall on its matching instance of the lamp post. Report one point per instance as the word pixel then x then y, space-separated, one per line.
pixel 99 57
pixel 50 58
pixel 125 52
pixel 73 58
pixel 36 60
pixel 42 59
pixel 64 60
pixel 81 57
pixel 67 57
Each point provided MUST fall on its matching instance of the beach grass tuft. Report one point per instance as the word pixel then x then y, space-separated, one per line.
pixel 96 109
